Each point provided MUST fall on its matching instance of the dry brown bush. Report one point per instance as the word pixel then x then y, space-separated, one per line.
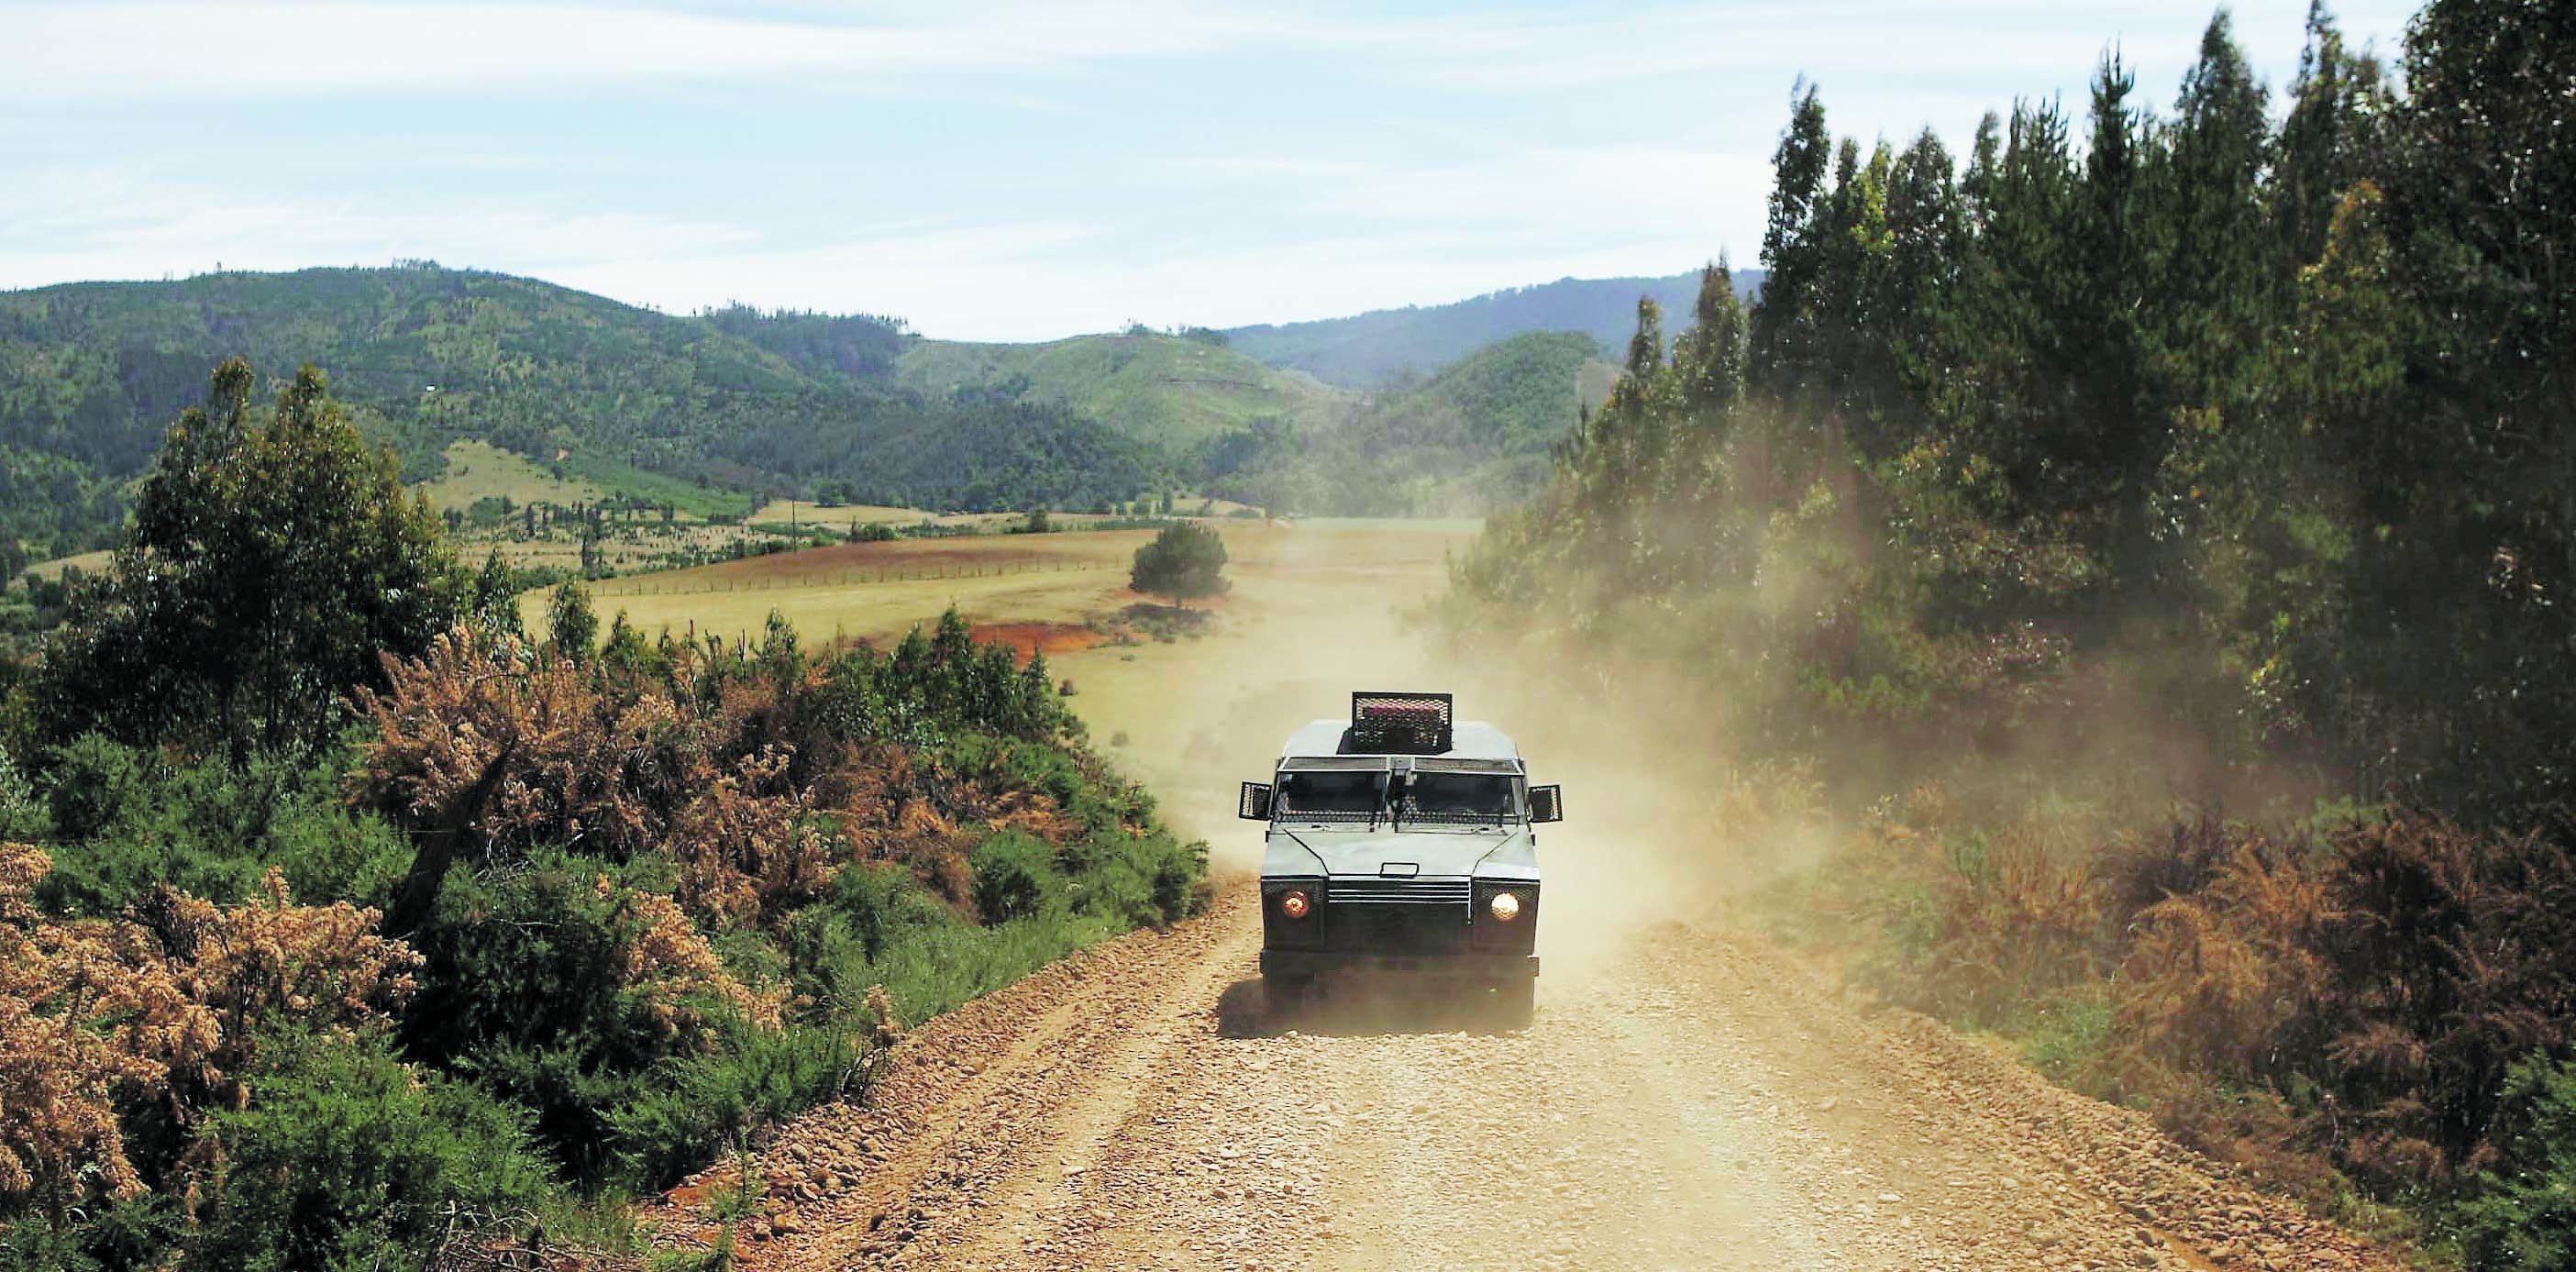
pixel 615 769
pixel 734 768
pixel 158 1012
pixel 2214 977
pixel 672 959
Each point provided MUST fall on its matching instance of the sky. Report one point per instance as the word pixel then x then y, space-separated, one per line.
pixel 999 171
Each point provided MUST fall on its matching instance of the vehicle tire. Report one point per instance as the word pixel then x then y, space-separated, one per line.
pixel 1516 1002
pixel 1286 995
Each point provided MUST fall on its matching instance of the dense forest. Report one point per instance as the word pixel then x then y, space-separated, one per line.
pixel 1383 347
pixel 343 924
pixel 2213 456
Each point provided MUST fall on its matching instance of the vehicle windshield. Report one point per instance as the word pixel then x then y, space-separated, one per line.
pixel 1482 798
pixel 1309 796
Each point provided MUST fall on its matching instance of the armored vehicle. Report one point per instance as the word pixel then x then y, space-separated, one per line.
pixel 1400 841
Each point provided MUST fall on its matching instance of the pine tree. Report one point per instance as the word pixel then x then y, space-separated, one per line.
pixel 2330 139
pixel 2217 288
pixel 572 626
pixel 2103 349
pixel 1708 359
pixel 1793 257
pixel 1645 363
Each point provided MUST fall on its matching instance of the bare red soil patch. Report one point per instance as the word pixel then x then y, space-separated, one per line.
pixel 1040 638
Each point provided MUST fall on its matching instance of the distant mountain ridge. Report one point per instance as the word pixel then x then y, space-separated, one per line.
pixel 1375 348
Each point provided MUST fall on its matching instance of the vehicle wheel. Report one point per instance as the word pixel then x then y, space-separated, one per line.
pixel 1288 994
pixel 1516 1002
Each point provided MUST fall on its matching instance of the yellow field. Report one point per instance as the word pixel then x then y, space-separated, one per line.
pixel 839 516
pixel 877 591
pixel 86 563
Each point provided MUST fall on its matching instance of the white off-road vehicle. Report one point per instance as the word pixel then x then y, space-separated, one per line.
pixel 1401 842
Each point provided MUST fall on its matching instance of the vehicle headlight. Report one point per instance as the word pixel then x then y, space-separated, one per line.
pixel 1295 904
pixel 1506 906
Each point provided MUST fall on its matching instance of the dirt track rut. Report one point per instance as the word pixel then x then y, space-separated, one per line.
pixel 1695 1101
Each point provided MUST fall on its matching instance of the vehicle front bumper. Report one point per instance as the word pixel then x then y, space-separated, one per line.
pixel 1464 965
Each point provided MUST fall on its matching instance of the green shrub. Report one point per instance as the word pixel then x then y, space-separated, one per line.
pixel 22 815
pixel 525 987
pixel 2521 1212
pixel 91 782
pixel 114 1235
pixel 667 1126
pixel 209 829
pixel 1015 874
pixel 347 1158
pixel 2069 1039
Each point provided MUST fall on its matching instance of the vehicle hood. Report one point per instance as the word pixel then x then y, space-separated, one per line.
pixel 1311 850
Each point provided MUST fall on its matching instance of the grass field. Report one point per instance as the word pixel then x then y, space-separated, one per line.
pixel 839 516
pixel 877 591
pixel 480 470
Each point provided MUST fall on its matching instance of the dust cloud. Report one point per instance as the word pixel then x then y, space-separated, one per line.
pixel 1660 826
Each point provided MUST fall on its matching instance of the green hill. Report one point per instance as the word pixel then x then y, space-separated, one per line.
pixel 709 412
pixel 1471 438
pixel 714 412
pixel 1375 348
pixel 1172 391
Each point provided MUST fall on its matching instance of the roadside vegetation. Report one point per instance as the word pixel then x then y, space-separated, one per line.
pixel 344 924
pixel 2115 576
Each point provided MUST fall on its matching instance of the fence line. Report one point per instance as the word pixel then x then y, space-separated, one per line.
pixel 846 578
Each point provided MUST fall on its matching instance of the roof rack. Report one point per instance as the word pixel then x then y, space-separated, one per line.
pixel 1399 723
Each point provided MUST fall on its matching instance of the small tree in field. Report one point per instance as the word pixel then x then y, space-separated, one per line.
pixel 1184 561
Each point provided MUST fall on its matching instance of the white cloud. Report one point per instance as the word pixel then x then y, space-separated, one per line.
pixel 111 223
pixel 237 48
pixel 244 48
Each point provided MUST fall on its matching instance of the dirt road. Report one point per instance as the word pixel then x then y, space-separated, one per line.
pixel 1686 1097
pixel 1695 1103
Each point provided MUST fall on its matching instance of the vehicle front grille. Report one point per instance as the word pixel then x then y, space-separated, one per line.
pixel 1396 929
pixel 1398 892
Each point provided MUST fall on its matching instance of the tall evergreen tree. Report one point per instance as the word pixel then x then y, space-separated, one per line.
pixel 2330 138
pixel 1793 253
pixel 1709 358
pixel 2218 290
